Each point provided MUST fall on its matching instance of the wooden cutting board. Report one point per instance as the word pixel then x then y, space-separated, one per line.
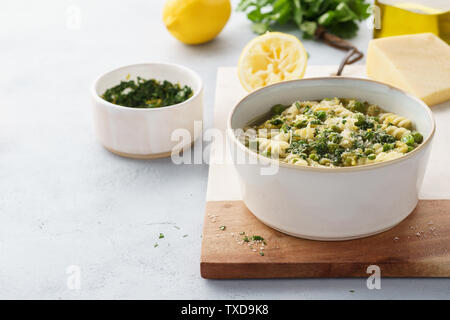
pixel 417 247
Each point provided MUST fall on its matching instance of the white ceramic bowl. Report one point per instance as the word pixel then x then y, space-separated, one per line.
pixel 146 133
pixel 332 203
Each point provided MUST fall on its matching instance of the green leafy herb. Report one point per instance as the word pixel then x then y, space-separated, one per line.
pixel 257 238
pixel 161 236
pixel 321 115
pixel 278 109
pixel 142 93
pixel 276 122
pixel 339 17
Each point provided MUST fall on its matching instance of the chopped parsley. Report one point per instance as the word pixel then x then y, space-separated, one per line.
pixel 257 238
pixel 142 93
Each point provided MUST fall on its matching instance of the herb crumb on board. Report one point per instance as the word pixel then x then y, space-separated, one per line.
pixel 256 243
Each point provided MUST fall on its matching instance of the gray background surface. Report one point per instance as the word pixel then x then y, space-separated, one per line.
pixel 66 201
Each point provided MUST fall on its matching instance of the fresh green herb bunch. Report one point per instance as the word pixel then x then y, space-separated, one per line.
pixel 144 93
pixel 338 17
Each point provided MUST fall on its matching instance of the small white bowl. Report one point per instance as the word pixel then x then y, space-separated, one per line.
pixel 146 133
pixel 332 203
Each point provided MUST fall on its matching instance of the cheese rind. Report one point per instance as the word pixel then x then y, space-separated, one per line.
pixel 418 64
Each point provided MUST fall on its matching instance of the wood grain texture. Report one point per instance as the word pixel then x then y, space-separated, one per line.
pixel 418 247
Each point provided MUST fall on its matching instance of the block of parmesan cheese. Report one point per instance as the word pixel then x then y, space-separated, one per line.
pixel 417 63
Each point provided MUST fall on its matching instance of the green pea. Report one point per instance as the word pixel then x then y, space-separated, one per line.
pixel 410 149
pixel 387 147
pixel 371 156
pixel 408 139
pixel 418 138
pixel 332 147
pixel 313 156
pixel 369 151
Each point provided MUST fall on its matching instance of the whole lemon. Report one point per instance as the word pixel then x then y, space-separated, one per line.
pixel 196 21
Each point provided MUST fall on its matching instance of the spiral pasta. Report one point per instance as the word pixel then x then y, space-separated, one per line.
pixel 397 132
pixel 305 133
pixel 396 120
pixel 272 148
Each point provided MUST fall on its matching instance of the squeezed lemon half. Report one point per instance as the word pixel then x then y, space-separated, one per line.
pixel 270 58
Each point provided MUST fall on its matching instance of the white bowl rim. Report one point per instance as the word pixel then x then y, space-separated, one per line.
pixel 426 141
pixel 174 65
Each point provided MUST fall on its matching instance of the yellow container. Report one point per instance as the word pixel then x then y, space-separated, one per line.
pixel 398 17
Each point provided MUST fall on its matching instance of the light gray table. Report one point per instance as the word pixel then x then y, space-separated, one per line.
pixel 67 205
